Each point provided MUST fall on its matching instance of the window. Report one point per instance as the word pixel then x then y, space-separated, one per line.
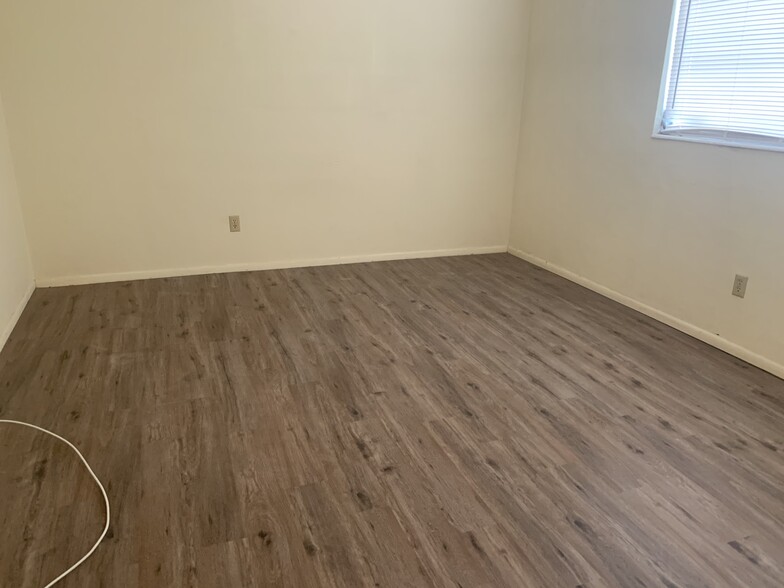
pixel 724 78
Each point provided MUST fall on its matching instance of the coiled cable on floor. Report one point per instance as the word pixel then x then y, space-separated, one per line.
pixel 97 481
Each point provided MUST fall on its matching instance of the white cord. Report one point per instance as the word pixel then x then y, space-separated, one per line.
pixel 97 481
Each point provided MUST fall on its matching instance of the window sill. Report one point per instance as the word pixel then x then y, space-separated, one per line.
pixel 723 142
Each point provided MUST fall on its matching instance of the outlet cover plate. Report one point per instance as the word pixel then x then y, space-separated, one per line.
pixel 739 287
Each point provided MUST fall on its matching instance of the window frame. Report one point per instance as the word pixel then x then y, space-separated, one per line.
pixel 726 139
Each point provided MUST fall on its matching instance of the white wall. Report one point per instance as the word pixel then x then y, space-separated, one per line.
pixel 663 223
pixel 349 128
pixel 16 271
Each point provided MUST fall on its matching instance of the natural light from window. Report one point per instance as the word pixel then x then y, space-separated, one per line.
pixel 724 77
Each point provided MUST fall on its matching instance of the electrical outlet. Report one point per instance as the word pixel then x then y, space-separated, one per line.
pixel 234 224
pixel 739 288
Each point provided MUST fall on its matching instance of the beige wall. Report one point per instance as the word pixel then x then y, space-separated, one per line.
pixel 350 128
pixel 16 272
pixel 663 223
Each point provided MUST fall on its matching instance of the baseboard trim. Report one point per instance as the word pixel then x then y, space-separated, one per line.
pixel 261 266
pixel 9 328
pixel 681 325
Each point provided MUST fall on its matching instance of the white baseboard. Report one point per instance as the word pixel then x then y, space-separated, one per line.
pixel 698 333
pixel 8 329
pixel 250 267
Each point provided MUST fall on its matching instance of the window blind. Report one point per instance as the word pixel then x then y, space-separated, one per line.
pixel 726 77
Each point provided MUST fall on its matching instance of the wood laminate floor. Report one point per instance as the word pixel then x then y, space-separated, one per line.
pixel 469 422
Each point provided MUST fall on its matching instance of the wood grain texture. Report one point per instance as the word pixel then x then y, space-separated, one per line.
pixel 469 422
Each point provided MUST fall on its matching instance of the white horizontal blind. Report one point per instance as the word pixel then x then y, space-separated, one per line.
pixel 727 74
